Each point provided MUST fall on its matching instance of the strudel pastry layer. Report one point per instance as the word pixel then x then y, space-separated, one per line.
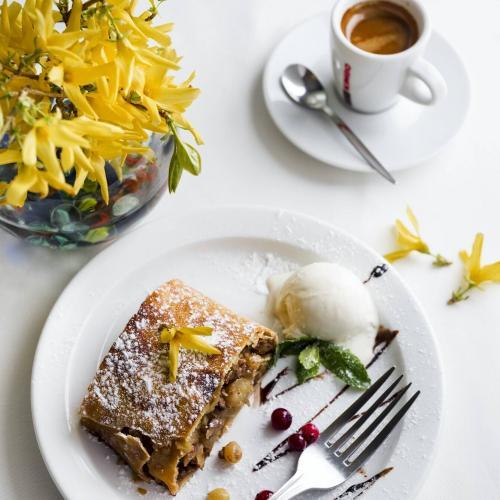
pixel 165 430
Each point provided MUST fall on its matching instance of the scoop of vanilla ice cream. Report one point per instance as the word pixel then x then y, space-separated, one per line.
pixel 328 302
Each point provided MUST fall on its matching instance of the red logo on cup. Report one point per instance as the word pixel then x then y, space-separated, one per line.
pixel 347 76
pixel 347 84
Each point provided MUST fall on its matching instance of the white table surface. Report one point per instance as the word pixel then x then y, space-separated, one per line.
pixel 247 161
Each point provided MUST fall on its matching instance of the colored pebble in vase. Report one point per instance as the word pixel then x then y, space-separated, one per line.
pixel 60 221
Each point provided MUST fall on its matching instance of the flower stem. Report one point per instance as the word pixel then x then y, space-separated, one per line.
pixel 36 92
pixel 460 293
pixel 85 6
pixel 10 118
pixel 440 261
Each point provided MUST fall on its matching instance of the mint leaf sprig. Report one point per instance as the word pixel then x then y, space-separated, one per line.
pixel 309 363
pixel 291 347
pixel 312 353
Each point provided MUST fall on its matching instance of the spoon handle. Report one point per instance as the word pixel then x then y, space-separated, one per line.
pixel 359 145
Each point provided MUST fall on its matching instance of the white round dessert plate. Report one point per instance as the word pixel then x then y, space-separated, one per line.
pixel 406 135
pixel 227 253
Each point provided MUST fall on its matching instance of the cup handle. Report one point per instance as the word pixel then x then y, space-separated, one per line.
pixel 423 71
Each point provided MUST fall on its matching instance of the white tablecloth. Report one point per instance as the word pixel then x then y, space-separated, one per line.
pixel 247 160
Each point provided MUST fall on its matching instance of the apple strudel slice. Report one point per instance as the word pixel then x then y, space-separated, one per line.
pixel 164 428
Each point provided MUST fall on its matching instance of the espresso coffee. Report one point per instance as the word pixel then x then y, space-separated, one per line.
pixel 380 27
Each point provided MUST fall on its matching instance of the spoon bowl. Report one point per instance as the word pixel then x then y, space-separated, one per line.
pixel 303 87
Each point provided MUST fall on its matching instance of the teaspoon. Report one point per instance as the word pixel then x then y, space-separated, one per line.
pixel 304 88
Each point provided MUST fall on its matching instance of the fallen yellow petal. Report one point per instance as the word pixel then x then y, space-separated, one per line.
pixel 490 272
pixel 464 256
pixel 475 256
pixel 396 255
pixel 405 238
pixel 413 220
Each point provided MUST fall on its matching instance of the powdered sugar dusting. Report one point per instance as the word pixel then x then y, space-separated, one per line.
pixel 131 388
pixel 254 269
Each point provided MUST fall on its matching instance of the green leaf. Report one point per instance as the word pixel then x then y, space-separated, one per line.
pixel 309 357
pixel 304 374
pixel 344 365
pixel 308 363
pixel 188 157
pixel 184 157
pixel 291 347
pixel 174 171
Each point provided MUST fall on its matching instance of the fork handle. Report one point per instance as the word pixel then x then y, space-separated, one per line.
pixel 294 486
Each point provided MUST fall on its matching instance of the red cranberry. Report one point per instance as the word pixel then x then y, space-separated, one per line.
pixel 264 495
pixel 281 419
pixel 310 432
pixel 297 442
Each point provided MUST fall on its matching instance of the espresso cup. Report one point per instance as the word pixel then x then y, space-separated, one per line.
pixel 371 82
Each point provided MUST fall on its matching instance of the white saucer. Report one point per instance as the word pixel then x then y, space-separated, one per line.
pixel 404 136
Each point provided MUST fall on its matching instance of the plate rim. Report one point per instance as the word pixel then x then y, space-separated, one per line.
pixel 354 167
pixel 221 210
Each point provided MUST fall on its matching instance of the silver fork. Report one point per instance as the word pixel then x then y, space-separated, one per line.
pixel 328 463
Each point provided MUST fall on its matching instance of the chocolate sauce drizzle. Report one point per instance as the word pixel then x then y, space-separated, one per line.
pixel 382 341
pixel 360 488
pixel 266 390
pixel 288 389
pixel 377 272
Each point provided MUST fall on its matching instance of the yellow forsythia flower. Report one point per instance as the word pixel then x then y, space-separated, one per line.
pixel 475 274
pixel 81 85
pixel 408 242
pixel 188 338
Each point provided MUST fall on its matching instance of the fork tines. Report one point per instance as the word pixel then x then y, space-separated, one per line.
pixel 387 398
